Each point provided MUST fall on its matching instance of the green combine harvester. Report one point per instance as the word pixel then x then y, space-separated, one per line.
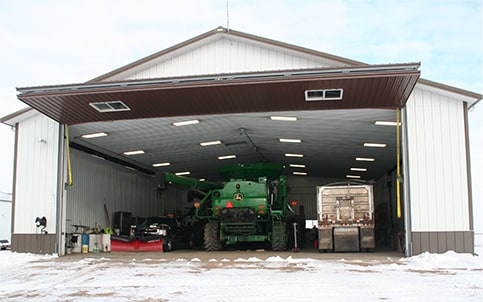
pixel 250 207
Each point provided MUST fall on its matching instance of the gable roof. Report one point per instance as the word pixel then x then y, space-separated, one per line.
pixel 230 35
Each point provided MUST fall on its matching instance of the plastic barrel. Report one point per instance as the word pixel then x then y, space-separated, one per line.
pixel 85 243
pixel 106 243
pixel 77 243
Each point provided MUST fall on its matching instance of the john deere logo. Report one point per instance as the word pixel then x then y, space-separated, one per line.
pixel 238 196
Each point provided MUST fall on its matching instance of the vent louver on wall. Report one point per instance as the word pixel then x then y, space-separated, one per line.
pixel 323 95
pixel 110 106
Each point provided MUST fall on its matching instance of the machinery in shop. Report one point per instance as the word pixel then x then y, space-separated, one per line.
pixel 249 207
pixel 345 217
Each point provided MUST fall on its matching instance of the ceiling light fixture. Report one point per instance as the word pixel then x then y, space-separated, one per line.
pixel 352 176
pixel 185 123
pixel 284 118
pixel 375 145
pixel 296 166
pixel 386 123
pixel 204 144
pixel 299 173
pixel 94 135
pixel 293 155
pixel 290 140
pixel 134 152
pixel 161 164
pixel 182 173
pixel 365 159
pixel 226 157
pixel 359 169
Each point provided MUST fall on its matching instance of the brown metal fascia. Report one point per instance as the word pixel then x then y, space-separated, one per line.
pixel 5 120
pixel 217 80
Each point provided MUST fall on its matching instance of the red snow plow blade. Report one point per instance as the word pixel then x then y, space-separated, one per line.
pixel 136 245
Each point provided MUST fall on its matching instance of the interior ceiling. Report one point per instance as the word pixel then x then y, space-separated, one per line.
pixel 236 110
pixel 331 140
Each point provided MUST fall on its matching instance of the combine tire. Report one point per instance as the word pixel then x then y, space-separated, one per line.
pixel 212 236
pixel 278 237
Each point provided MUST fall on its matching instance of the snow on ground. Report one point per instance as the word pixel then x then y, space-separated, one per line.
pixel 426 277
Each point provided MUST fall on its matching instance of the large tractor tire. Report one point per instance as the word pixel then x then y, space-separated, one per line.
pixel 279 242
pixel 212 236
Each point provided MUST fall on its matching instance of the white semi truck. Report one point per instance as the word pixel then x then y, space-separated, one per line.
pixel 345 217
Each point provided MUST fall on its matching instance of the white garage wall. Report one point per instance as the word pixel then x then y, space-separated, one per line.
pixel 224 53
pixel 97 182
pixel 437 162
pixel 36 174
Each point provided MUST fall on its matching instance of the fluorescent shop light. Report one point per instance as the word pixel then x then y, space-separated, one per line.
pixel 375 145
pixel 293 155
pixel 161 164
pixel 204 144
pixel 185 123
pixel 284 118
pixel 386 123
pixel 182 173
pixel 365 159
pixel 135 152
pixel 94 135
pixel 226 157
pixel 290 140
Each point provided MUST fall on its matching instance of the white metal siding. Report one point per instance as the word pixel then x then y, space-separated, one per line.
pixel 36 170
pixel 226 54
pixel 97 182
pixel 437 162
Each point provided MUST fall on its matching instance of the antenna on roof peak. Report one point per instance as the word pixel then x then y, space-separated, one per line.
pixel 227 17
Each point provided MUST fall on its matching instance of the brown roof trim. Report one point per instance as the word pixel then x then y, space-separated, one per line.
pixel 219 30
pixel 377 86
pixel 5 120
pixel 453 89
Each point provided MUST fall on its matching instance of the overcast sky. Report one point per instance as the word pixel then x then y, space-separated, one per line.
pixel 60 41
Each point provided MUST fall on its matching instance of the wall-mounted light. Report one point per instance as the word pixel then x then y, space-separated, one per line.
pixel 42 140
